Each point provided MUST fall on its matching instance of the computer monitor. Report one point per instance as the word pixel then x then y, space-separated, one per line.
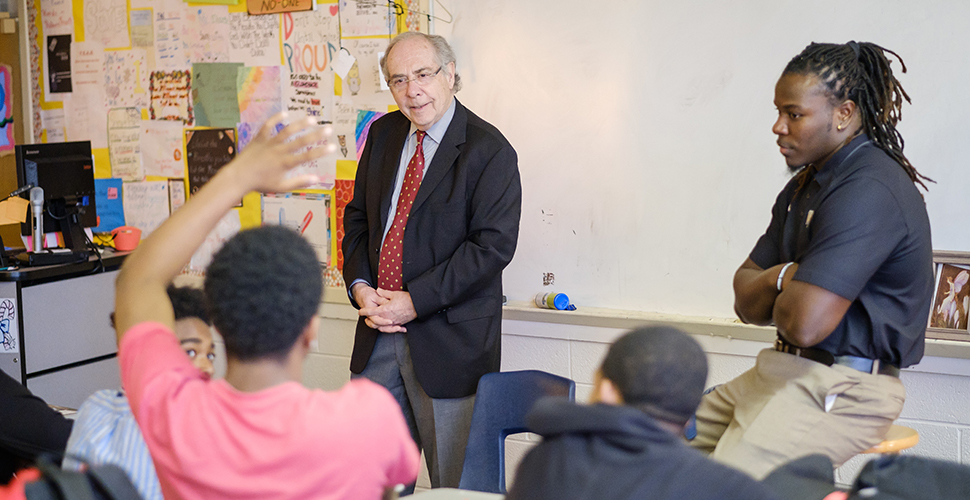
pixel 65 170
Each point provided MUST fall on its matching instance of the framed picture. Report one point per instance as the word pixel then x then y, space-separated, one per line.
pixel 951 300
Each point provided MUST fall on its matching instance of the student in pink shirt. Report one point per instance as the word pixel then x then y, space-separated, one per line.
pixel 258 433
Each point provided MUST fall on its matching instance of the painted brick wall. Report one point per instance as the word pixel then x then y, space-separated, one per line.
pixel 938 400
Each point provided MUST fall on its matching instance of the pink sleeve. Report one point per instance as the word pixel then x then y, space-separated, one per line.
pixel 151 361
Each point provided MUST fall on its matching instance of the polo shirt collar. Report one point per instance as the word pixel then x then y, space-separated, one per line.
pixel 837 165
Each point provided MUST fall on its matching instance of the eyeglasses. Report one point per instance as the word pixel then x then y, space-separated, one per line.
pixel 423 78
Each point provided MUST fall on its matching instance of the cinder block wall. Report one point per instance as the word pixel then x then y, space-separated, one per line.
pixel 938 390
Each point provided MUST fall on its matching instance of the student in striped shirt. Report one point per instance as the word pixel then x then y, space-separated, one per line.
pixel 105 431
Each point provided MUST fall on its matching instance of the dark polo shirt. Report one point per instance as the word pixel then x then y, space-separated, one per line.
pixel 859 229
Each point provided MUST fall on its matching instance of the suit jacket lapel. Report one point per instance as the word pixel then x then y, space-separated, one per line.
pixel 444 158
pixel 390 163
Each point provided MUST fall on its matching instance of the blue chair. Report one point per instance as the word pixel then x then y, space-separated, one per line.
pixel 502 401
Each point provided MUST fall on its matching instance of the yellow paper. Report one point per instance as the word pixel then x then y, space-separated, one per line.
pixel 14 210
pixel 102 163
pixel 346 169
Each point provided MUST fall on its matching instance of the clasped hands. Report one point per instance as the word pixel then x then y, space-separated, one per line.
pixel 384 310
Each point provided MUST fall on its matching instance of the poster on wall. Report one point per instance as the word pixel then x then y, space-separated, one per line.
pixel 126 78
pixel 161 148
pixel 124 143
pixel 367 18
pixel 106 22
pixel 206 151
pixel 108 199
pixel 59 64
pixel 309 94
pixel 57 16
pixel 305 213
pixel 170 96
pixel 214 97
pixel 6 110
pixel 254 39
pixel 311 40
pixel 258 93
pixel 146 205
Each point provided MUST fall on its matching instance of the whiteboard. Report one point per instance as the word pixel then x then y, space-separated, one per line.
pixel 643 130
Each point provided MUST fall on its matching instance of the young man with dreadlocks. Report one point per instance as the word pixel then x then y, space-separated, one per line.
pixel 844 272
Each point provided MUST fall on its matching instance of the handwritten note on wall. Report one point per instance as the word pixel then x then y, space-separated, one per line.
pixel 366 18
pixel 106 22
pixel 310 40
pixel 207 33
pixel 344 126
pixel 142 29
pixel 206 151
pixel 254 39
pixel 126 78
pixel 85 117
pixel 57 17
pixel 170 99
pixel 171 50
pixel 124 127
pixel 176 194
pixel 310 94
pixel 161 148
pixel 366 77
pixel 146 205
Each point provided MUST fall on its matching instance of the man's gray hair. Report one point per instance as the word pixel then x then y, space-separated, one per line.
pixel 443 53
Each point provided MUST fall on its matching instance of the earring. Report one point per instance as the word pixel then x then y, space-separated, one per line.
pixel 839 128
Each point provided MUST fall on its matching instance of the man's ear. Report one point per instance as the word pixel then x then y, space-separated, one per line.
pixel 604 391
pixel 845 113
pixel 308 338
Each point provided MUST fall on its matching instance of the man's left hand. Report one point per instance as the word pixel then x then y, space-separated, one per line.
pixel 391 316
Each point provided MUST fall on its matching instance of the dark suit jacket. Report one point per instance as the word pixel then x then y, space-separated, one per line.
pixel 460 235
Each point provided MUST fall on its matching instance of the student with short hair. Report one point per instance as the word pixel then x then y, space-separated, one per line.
pixel 258 433
pixel 628 444
pixel 105 431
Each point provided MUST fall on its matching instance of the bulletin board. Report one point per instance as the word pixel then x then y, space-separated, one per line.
pixel 168 92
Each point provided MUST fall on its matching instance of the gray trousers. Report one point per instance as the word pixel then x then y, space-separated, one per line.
pixel 438 426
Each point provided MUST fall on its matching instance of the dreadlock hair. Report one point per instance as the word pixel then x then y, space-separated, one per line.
pixel 860 72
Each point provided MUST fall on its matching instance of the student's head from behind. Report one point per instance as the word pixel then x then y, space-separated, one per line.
pixel 192 327
pixel 659 370
pixel 262 291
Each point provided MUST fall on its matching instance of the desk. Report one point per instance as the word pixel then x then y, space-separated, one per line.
pixel 63 345
pixel 454 494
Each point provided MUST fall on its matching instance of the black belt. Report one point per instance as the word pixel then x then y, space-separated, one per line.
pixel 865 365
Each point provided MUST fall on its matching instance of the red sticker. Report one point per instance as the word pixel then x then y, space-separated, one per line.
pixel 112 193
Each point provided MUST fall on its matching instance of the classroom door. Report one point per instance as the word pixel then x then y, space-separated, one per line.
pixel 10 362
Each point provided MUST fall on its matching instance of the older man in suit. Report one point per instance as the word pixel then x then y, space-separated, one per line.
pixel 433 222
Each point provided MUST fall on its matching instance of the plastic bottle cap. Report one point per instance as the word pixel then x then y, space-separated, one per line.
pixel 560 302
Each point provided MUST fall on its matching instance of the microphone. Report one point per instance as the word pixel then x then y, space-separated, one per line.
pixel 37 207
pixel 21 190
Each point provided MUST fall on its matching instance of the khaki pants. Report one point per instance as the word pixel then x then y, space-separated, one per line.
pixel 776 412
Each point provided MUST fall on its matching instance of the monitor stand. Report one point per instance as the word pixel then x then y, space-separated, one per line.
pixel 75 249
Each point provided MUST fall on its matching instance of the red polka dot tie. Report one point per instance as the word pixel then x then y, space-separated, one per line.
pixel 389 275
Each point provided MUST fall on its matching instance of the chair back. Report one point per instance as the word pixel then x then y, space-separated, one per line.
pixel 501 403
